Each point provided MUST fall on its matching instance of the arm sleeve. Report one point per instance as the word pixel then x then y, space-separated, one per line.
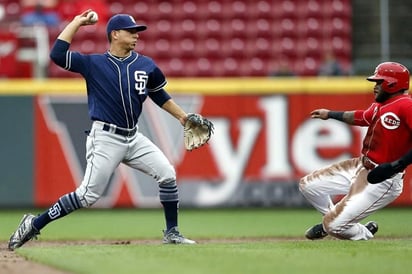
pixel 69 60
pixel 159 97
pixel 364 117
pixel 59 52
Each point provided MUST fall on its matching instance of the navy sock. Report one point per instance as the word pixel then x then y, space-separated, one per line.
pixel 171 212
pixel 65 205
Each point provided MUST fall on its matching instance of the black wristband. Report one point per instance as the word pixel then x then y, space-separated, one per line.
pixel 337 115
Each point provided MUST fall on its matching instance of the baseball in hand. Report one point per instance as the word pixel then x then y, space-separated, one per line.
pixel 93 17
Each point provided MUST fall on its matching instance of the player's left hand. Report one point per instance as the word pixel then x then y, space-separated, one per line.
pixel 197 131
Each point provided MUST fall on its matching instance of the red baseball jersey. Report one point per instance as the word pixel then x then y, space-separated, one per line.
pixel 389 134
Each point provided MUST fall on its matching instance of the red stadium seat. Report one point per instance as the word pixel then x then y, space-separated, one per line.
pixel 341 47
pixel 258 28
pixel 285 9
pixel 337 8
pixel 260 10
pixel 12 11
pixel 288 27
pixel 118 7
pixel 213 10
pixel 311 46
pixel 288 47
pixel 210 28
pixel 259 47
pixel 210 47
pixel 310 8
pixel 310 26
pixel 338 27
pixel 187 48
pixel 306 66
pixel 234 27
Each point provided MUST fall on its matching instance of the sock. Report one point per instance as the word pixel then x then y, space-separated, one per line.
pixel 169 197
pixel 171 212
pixel 65 205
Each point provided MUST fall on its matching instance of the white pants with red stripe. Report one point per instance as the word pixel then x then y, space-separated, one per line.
pixel 360 199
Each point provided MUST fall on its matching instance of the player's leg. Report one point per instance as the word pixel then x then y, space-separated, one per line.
pixel 363 200
pixel 103 154
pixel 320 186
pixel 148 158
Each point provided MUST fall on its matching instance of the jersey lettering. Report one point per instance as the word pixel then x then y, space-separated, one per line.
pixel 141 79
pixel 390 120
pixel 55 211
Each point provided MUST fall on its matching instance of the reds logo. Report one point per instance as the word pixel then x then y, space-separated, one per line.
pixel 390 121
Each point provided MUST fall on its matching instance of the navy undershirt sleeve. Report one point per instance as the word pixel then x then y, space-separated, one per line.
pixel 159 97
pixel 59 51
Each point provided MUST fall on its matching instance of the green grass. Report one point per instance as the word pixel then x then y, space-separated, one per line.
pixel 284 251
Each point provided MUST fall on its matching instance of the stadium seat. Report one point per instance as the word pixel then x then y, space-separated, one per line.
pixel 210 28
pixel 260 10
pixel 118 7
pixel 310 8
pixel 338 27
pixel 259 47
pixel 341 47
pixel 258 28
pixel 286 9
pixel 306 66
pixel 337 8
pixel 288 27
pixel 12 11
pixel 310 26
pixel 162 48
pixel 234 27
pixel 288 46
pixel 210 47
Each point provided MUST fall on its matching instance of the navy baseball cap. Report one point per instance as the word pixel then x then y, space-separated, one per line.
pixel 123 21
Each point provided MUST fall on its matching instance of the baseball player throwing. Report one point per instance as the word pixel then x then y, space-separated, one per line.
pixel 389 136
pixel 118 82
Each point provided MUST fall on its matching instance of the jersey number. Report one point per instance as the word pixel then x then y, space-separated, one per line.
pixel 141 79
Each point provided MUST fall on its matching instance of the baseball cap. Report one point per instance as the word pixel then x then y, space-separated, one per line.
pixel 123 21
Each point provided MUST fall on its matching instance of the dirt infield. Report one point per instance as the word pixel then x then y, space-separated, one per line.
pixel 11 263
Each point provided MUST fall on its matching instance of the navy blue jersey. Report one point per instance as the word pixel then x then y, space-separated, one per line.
pixel 116 88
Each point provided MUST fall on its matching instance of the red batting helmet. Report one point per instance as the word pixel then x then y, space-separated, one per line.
pixel 394 77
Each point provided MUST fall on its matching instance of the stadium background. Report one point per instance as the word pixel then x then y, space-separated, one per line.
pixel 222 59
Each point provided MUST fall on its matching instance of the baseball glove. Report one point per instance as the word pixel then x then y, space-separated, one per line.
pixel 197 131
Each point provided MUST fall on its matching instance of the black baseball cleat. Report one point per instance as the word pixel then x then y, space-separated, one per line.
pixel 316 232
pixel 372 227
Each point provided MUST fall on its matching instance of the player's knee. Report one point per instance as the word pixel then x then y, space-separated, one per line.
pixel 305 187
pixel 167 175
pixel 302 185
pixel 87 198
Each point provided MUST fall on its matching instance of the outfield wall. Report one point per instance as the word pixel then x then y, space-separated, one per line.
pixel 264 141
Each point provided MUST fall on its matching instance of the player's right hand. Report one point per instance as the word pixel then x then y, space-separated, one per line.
pixel 320 113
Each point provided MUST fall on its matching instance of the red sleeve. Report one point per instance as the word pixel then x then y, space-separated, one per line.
pixel 364 117
pixel 408 115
